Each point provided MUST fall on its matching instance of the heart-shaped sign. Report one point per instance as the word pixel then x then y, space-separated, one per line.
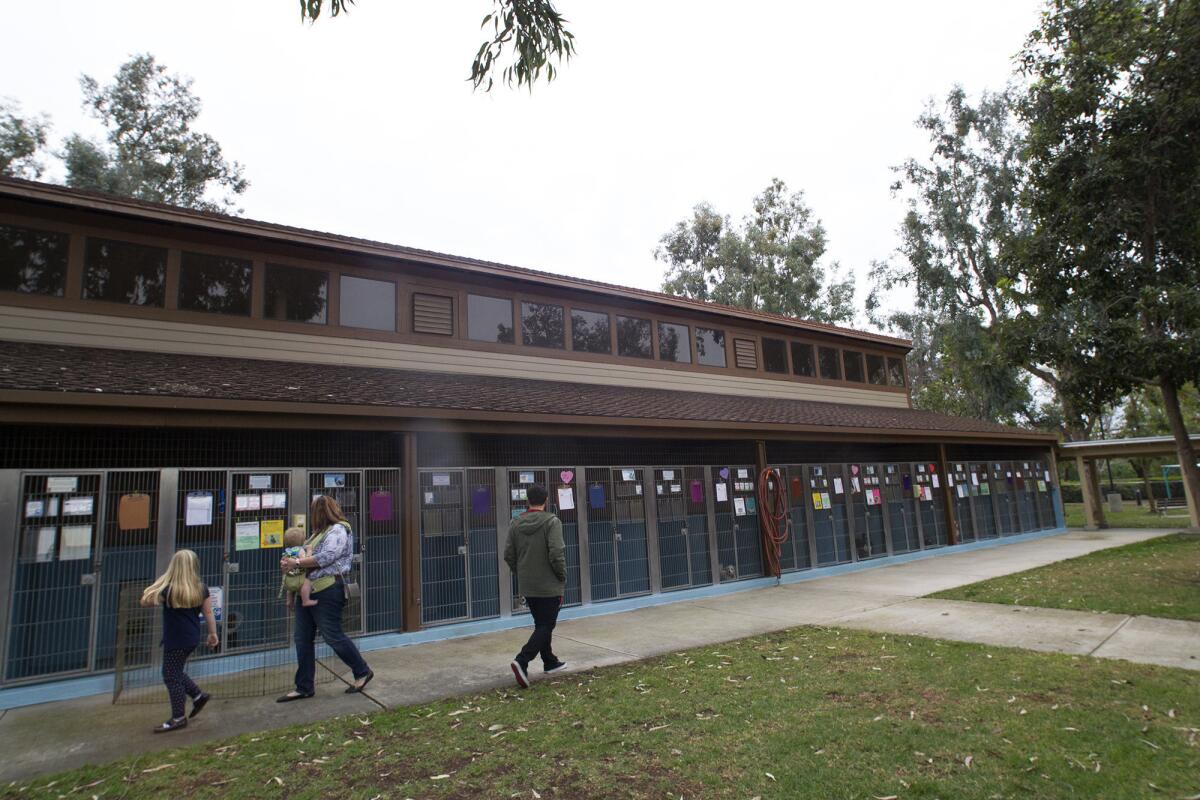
pixel 566 475
pixel 854 469
pixel 724 473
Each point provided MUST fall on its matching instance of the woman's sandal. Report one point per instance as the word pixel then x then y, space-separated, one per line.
pixel 357 687
pixel 172 725
pixel 290 696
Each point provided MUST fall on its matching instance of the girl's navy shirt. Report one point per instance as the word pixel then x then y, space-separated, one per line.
pixel 181 626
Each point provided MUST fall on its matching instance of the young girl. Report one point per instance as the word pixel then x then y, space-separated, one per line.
pixel 184 598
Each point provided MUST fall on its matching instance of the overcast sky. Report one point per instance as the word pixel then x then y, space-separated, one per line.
pixel 364 125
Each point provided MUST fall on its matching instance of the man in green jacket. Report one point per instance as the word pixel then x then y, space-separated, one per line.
pixel 536 553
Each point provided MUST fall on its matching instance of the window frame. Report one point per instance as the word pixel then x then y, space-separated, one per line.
pixel 688 350
pixel 88 238
pixel 649 356
pixel 856 357
pixel 837 359
pixel 341 323
pixel 66 253
pixel 466 302
pixel 327 272
pixel 562 308
pixel 724 346
pixel 572 310
pixel 784 354
pixel 178 300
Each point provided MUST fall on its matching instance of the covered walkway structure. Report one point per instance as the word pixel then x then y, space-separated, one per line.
pixel 1086 454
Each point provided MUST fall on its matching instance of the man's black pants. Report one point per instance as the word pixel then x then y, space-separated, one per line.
pixel 545 615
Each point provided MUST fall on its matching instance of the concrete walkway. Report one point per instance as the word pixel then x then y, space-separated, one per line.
pixel 55 736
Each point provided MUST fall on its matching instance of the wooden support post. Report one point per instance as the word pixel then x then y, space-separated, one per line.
pixel 947 497
pixel 1093 514
pixel 410 534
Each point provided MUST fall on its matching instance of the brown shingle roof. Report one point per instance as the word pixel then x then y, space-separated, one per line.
pixel 100 201
pixel 53 368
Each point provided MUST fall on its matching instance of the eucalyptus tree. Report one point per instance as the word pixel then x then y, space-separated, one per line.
pixel 770 261
pixel 962 205
pixel 22 142
pixel 151 151
pixel 531 32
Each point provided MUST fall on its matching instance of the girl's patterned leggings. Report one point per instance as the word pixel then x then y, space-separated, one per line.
pixel 179 685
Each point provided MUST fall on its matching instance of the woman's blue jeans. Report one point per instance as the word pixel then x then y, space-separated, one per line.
pixel 325 616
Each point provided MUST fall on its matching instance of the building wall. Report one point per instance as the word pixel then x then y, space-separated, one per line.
pixel 640 516
pixel 157 335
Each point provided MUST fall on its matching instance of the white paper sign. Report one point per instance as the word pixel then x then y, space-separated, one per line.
pixel 76 543
pixel 668 474
pixel 566 498
pixel 855 485
pixel 250 502
pixel 45 544
pixel 441 479
pixel 260 481
pixel 722 493
pixel 52 507
pixel 525 477
pixel 739 507
pixel 639 488
pixel 429 498
pixel 743 473
pixel 629 474
pixel 274 500
pixel 333 480
pixel 975 478
pixel 81 506
pixel 658 488
pixel 935 480
pixel 35 508
pixel 1047 476
pixel 62 485
pixel 676 488
pixel 198 510
pixel 837 485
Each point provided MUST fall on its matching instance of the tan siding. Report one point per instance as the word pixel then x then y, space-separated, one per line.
pixel 97 330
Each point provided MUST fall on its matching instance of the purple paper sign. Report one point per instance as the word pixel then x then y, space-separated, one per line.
pixel 481 500
pixel 907 482
pixel 724 473
pixel 596 496
pixel 697 492
pixel 381 506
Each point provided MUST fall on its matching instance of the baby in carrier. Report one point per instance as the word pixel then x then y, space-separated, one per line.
pixel 296 581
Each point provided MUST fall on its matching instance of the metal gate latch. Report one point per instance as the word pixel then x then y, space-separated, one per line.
pixel 87 579
pixel 462 550
pixel 231 568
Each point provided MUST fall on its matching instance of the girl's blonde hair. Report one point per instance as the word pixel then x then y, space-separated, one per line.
pixel 183 578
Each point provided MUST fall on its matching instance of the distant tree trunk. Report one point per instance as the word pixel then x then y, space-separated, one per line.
pixel 1076 429
pixel 1183 446
pixel 1142 467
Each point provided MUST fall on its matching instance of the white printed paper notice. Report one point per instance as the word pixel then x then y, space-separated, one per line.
pixel 566 498
pixel 199 509
pixel 722 493
pixel 935 480
pixel 78 506
pixel 739 507
pixel 61 485
pixel 837 485
pixel 246 535
pixel 76 543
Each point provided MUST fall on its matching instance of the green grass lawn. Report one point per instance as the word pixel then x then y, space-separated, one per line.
pixel 1131 516
pixel 1158 578
pixel 805 713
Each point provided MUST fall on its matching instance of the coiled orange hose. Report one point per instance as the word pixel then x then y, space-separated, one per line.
pixel 773 513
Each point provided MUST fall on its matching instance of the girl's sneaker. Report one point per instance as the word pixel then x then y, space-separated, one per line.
pixel 172 725
pixel 199 703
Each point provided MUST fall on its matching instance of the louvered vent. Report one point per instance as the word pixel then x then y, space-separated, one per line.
pixel 433 313
pixel 744 353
